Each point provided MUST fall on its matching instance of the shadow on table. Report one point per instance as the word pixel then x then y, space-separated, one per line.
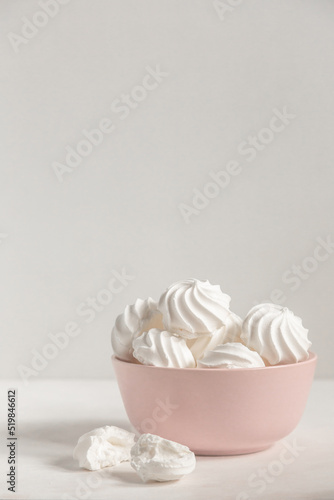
pixel 130 478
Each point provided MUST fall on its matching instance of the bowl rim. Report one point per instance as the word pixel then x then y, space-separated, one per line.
pixel 311 359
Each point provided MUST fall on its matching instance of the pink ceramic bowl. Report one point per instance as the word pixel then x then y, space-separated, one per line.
pixel 216 411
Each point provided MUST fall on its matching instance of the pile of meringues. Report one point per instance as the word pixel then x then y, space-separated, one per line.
pixel 192 326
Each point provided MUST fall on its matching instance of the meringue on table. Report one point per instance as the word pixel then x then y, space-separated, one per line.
pixel 157 459
pixel 231 355
pixel 103 447
pixel 276 334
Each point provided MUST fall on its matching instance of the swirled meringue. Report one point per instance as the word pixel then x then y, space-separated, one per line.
pixel 230 332
pixel 231 355
pixel 276 334
pixel 157 459
pixel 193 308
pixel 136 318
pixel 161 348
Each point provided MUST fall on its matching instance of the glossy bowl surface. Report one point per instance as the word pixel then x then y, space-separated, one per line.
pixel 216 411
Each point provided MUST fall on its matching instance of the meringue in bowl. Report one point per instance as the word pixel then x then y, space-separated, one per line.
pixel 192 371
pixel 217 411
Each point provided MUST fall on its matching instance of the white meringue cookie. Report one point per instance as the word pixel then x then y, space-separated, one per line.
pixel 161 348
pixel 231 355
pixel 193 308
pixel 276 334
pixel 233 328
pixel 230 332
pixel 103 447
pixel 158 459
pixel 138 317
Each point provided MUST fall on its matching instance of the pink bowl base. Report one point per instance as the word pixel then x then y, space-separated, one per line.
pixel 216 411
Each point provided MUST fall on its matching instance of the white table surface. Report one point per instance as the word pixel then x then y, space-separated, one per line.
pixel 52 414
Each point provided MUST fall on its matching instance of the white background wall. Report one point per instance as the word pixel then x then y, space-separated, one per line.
pixel 61 241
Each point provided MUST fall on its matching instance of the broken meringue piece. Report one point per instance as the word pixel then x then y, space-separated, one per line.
pixel 157 459
pixel 103 447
